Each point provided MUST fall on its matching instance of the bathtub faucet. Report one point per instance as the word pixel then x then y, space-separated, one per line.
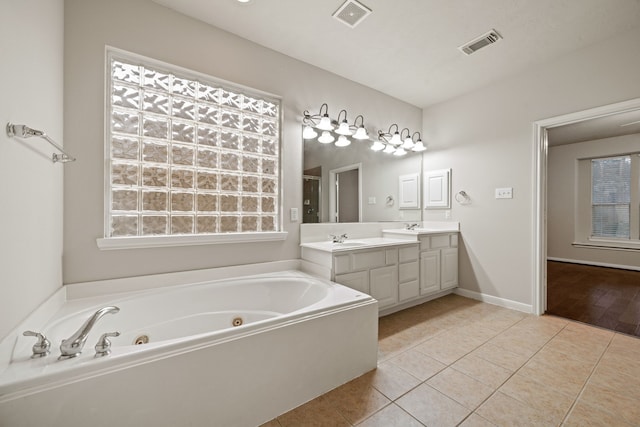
pixel 72 346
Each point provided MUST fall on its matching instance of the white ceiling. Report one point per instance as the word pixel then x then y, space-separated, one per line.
pixel 409 48
pixel 619 124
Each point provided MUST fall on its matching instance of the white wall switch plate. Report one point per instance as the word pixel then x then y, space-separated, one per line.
pixel 504 193
pixel 294 214
pixel 372 200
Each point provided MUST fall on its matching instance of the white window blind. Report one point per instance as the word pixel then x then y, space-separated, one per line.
pixel 188 154
pixel 610 197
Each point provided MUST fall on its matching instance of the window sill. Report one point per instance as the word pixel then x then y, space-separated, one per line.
pixel 616 245
pixel 137 242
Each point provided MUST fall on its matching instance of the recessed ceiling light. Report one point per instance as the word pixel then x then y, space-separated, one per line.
pixel 243 1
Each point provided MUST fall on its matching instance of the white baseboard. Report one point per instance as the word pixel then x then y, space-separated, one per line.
pixel 490 299
pixel 597 264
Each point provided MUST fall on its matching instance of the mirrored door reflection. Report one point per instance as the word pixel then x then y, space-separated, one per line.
pixel 311 198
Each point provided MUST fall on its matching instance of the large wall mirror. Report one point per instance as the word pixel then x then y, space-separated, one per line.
pixel 355 183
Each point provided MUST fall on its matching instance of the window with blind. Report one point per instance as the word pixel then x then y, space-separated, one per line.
pixel 188 154
pixel 611 197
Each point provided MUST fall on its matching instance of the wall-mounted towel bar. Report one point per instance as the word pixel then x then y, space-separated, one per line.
pixel 23 131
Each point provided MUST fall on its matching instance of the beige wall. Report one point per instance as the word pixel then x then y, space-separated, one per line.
pixel 486 137
pixel 31 189
pixel 562 196
pixel 148 29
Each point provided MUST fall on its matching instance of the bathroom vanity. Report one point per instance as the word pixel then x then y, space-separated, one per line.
pixel 400 269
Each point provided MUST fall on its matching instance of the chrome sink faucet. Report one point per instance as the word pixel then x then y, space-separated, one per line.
pixel 72 346
pixel 410 226
pixel 338 238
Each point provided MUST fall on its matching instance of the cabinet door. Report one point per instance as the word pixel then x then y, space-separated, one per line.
pixel 429 272
pixel 449 268
pixel 383 283
pixel 358 280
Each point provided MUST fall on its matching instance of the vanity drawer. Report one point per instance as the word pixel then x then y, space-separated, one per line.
pixel 363 260
pixel 438 241
pixel 342 263
pixel 356 261
pixel 408 253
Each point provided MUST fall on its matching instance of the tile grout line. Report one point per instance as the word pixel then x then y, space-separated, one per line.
pixel 511 375
pixel 584 386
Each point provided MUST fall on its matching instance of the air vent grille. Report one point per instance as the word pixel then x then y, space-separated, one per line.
pixel 480 42
pixel 351 13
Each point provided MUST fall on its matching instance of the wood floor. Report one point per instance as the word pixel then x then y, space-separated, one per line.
pixel 599 296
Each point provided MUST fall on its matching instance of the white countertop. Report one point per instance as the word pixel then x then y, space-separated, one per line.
pixel 418 231
pixel 354 244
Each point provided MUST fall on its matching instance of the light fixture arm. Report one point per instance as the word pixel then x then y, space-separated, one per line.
pixel 345 115
pixel 355 122
pixel 419 136
pixel 402 133
pixel 326 109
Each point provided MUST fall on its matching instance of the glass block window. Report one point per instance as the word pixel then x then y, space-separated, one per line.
pixel 611 197
pixel 188 154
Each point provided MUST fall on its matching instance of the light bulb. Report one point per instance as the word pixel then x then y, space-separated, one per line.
pixel 389 149
pixel 377 146
pixel 325 123
pixel 309 133
pixel 395 139
pixel 342 141
pixel 326 137
pixel 361 133
pixel 408 143
pixel 399 152
pixel 343 129
pixel 419 146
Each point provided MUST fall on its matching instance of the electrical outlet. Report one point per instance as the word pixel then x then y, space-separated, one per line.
pixel 294 214
pixel 504 193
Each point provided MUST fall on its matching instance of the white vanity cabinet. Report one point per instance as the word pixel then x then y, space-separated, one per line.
pixel 438 262
pixel 408 273
pixel 372 271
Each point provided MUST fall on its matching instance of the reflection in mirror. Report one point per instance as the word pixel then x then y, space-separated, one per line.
pixel 379 178
pixel 311 195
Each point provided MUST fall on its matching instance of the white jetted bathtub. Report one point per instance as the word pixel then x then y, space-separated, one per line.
pixel 232 352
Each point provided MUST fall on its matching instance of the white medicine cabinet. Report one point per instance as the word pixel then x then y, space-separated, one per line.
pixel 437 190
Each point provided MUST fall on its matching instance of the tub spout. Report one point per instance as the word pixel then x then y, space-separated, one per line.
pixel 72 346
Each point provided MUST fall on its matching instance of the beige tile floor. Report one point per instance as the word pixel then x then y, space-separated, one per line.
pixel 455 361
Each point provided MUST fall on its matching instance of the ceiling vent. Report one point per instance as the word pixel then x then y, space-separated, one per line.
pixel 480 42
pixel 351 13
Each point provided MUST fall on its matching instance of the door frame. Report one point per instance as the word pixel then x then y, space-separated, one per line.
pixel 540 159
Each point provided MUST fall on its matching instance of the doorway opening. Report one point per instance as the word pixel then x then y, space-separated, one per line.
pixel 540 193
pixel 345 189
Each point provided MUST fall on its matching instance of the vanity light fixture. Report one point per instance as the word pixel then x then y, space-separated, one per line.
pixel 377 146
pixel 308 132
pixel 326 138
pixel 389 149
pixel 361 133
pixel 419 145
pixel 393 141
pixel 342 141
pixel 399 152
pixel 332 129
pixel 407 143
pixel 344 128
pixel 325 122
